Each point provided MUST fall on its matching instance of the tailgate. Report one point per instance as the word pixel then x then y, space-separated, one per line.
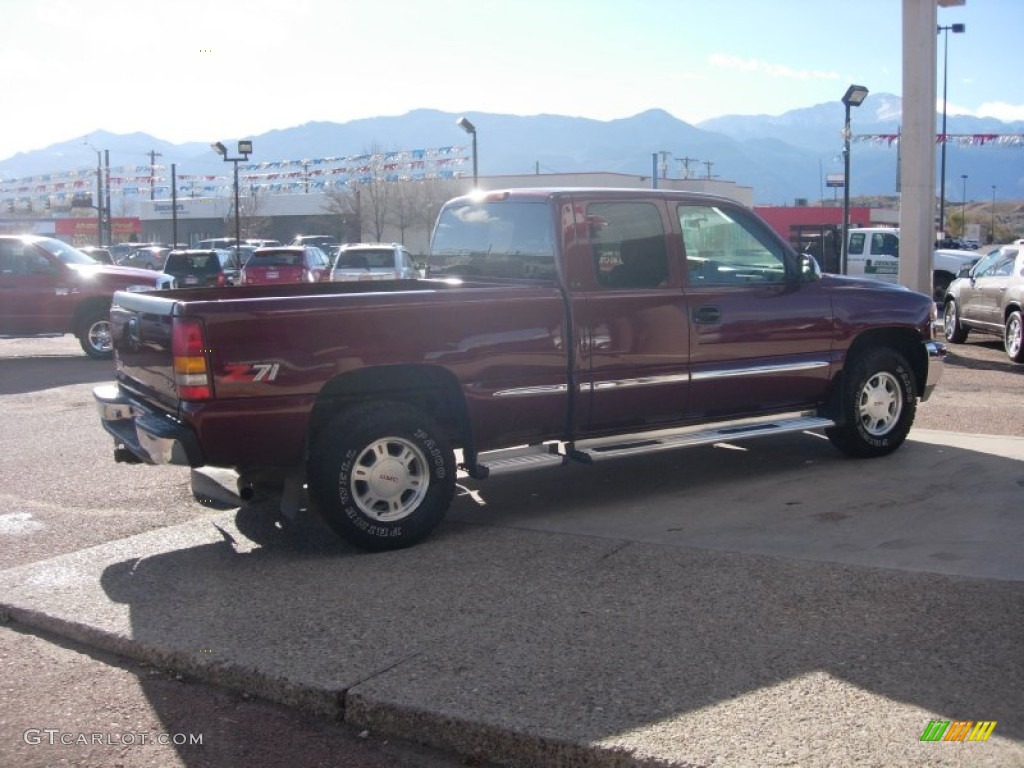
pixel 141 332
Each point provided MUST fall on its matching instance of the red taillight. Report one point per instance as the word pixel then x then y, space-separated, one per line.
pixel 221 280
pixel 191 371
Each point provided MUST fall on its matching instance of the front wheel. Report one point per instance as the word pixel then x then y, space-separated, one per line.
pixel 1012 341
pixel 952 329
pixel 877 405
pixel 95 336
pixel 382 475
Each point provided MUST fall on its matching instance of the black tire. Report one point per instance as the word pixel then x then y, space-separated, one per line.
pixel 382 475
pixel 940 282
pixel 877 405
pixel 94 334
pixel 954 332
pixel 1013 337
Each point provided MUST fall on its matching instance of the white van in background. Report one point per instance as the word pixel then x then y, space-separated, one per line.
pixel 875 252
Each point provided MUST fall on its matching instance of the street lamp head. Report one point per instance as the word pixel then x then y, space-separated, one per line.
pixel 855 95
pixel 465 125
pixel 245 147
pixel 220 149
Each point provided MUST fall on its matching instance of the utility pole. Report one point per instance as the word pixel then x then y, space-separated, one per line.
pixel 687 162
pixel 709 163
pixel 153 155
pixel 665 155
pixel 106 195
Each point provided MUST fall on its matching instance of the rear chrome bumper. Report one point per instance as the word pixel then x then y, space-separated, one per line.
pixel 936 365
pixel 150 435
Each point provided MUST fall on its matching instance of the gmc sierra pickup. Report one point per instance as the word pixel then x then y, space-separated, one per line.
pixel 554 325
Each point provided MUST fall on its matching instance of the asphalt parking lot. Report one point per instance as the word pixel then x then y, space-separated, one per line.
pixel 768 603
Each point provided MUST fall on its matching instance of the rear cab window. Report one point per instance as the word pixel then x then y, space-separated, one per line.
pixel 627 244
pixel 495 239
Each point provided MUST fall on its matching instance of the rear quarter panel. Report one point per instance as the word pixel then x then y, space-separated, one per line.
pixel 272 353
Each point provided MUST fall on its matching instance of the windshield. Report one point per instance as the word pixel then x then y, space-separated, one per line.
pixel 63 251
pixel 494 239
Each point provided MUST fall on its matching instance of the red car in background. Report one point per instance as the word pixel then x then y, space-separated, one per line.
pixel 286 264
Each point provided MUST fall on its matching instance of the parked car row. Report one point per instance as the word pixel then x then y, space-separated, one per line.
pixel 273 265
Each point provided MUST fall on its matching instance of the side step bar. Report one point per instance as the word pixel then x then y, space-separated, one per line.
pixel 509 460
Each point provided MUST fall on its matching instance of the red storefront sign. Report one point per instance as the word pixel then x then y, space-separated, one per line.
pixel 84 232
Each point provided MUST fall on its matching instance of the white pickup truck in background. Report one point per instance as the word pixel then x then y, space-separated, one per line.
pixel 875 252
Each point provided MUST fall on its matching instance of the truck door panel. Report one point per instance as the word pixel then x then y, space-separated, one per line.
pixel 30 292
pixel 631 366
pixel 760 339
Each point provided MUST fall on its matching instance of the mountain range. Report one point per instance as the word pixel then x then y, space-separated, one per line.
pixel 782 157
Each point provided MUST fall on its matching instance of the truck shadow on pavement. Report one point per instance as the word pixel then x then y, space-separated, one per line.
pixel 19 375
pixel 520 616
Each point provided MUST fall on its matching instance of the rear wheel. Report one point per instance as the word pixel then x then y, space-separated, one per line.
pixel 954 332
pixel 877 405
pixel 382 475
pixel 95 336
pixel 1012 340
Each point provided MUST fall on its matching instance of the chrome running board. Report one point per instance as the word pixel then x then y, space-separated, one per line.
pixel 598 449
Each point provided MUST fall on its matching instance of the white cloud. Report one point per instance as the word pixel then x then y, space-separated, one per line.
pixel 725 61
pixel 997 109
pixel 1001 110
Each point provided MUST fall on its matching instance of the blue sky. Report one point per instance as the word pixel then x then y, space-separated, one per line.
pixel 226 69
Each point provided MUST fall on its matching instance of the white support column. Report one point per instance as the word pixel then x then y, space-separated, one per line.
pixel 917 145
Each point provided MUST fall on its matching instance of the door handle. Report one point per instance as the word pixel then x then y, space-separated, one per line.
pixel 707 315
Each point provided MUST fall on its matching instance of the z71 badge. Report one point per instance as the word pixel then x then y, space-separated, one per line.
pixel 251 371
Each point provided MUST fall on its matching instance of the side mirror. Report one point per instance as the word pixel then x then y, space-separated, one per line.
pixel 964 271
pixel 810 270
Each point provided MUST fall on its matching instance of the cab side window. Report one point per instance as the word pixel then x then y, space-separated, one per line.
pixel 856 243
pixel 10 258
pixel 726 246
pixel 627 243
pixel 885 244
pixel 16 259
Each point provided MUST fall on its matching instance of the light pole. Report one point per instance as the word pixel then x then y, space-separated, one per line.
pixel 992 226
pixel 853 97
pixel 244 149
pixel 957 29
pixel 99 192
pixel 469 128
pixel 963 209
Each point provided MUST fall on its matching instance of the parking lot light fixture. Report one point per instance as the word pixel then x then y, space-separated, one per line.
pixel 244 150
pixel 956 29
pixel 853 97
pixel 963 209
pixel 469 128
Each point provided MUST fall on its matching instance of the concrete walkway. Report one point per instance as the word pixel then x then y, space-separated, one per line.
pixel 769 603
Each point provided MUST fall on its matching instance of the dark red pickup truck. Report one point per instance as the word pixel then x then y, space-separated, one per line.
pixel 554 325
pixel 48 287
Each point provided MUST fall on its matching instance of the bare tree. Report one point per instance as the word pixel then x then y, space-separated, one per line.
pixel 405 205
pixel 374 194
pixel 343 202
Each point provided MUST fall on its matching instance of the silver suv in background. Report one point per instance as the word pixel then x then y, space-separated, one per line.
pixel 373 261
